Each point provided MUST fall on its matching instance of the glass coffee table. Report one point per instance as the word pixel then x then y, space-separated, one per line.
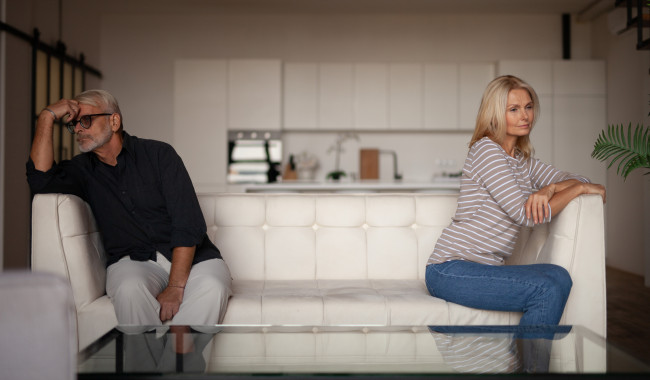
pixel 353 351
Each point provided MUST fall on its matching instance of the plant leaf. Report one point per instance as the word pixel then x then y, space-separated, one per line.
pixel 632 151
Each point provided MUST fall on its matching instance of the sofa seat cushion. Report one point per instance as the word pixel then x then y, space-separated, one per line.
pixel 347 302
pixel 95 320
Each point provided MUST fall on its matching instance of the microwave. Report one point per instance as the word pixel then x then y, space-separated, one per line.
pixel 254 156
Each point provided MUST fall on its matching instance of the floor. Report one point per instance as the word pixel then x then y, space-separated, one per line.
pixel 628 313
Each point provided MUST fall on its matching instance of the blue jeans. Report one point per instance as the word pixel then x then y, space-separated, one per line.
pixel 539 291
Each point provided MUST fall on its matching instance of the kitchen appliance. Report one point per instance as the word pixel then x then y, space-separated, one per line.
pixel 254 156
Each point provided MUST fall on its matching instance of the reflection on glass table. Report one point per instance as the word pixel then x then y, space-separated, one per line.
pixel 352 350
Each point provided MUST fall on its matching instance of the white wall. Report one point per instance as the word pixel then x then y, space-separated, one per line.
pixel 627 98
pixel 16 138
pixel 3 18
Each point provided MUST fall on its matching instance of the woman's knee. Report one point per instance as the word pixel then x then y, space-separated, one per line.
pixel 556 280
pixel 562 279
pixel 430 278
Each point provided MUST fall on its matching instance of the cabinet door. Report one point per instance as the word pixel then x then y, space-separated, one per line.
pixel 474 77
pixel 441 96
pixel 200 132
pixel 579 78
pixel 579 105
pixel 335 96
pixel 370 96
pixel 577 122
pixel 537 73
pixel 300 96
pixel 254 94
pixel 406 92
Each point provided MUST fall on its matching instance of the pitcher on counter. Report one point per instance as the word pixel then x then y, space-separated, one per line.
pixel 502 189
pixel 161 264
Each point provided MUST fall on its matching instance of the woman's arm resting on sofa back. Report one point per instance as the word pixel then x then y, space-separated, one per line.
pixel 557 196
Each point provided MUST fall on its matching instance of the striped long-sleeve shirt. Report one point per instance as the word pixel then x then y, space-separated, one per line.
pixel 491 205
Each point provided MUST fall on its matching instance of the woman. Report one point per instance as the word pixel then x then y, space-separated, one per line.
pixel 502 189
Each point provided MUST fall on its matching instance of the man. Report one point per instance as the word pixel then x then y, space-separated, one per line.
pixel 161 264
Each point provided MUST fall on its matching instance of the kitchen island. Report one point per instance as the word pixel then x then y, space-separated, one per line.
pixel 438 185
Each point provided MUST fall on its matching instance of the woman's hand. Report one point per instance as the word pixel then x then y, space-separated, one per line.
pixel 594 188
pixel 537 204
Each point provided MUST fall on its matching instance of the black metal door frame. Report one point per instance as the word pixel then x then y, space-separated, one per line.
pixel 54 55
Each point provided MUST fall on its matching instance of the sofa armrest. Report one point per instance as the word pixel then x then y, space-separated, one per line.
pixel 65 241
pixel 576 241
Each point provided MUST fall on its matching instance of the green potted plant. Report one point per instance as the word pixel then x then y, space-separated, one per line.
pixel 632 150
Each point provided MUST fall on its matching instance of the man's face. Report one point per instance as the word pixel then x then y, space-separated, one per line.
pixel 99 132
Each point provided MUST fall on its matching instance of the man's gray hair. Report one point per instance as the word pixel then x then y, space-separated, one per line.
pixel 102 99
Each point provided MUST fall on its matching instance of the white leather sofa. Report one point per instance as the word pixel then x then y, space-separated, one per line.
pixel 328 259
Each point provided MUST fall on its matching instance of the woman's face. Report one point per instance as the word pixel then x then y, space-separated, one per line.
pixel 519 113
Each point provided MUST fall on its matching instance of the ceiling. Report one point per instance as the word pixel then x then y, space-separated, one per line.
pixel 374 6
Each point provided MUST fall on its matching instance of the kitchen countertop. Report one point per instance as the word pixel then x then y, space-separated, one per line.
pixel 442 184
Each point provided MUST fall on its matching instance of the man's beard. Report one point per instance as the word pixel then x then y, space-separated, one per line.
pixel 90 143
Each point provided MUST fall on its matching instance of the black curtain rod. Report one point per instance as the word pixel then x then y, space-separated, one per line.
pixel 55 51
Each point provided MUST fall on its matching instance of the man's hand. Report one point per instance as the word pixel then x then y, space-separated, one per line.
pixel 537 203
pixel 170 301
pixel 62 108
pixel 42 152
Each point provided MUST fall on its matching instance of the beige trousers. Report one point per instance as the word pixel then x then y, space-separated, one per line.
pixel 134 285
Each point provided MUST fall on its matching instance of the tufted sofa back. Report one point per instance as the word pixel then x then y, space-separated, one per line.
pixel 308 237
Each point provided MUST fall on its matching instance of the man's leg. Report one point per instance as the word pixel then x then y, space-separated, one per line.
pixel 133 287
pixel 206 294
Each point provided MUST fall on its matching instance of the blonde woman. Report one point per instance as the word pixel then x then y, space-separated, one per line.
pixel 502 189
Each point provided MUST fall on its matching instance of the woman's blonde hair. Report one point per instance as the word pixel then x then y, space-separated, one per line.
pixel 491 118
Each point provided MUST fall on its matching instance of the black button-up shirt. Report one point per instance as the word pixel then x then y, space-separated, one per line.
pixel 143 205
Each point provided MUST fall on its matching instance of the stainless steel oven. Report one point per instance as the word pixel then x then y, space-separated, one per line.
pixel 254 156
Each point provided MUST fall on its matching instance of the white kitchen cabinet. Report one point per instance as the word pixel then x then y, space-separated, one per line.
pixel 473 79
pixel 370 96
pixel 440 96
pixel 537 73
pixel 579 114
pixel 405 96
pixel 254 94
pixel 200 122
pixel 577 122
pixel 579 78
pixel 335 96
pixel 301 86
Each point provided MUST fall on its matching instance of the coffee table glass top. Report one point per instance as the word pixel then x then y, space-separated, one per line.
pixel 130 351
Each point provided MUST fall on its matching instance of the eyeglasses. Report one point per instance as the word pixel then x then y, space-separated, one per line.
pixel 85 121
